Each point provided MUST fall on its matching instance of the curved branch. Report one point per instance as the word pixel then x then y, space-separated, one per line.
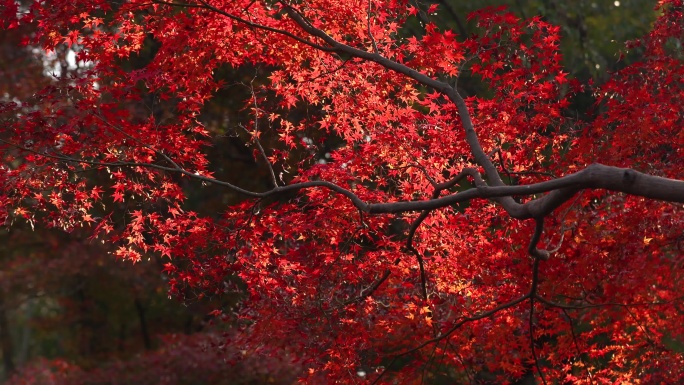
pixel 595 176
pixel 532 249
pixel 370 56
pixel 367 292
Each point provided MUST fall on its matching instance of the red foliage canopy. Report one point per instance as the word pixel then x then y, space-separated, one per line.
pixel 442 233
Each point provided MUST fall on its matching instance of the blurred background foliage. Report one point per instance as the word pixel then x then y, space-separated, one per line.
pixel 67 306
pixel 594 31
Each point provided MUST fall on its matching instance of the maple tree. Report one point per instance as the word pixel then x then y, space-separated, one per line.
pixel 409 229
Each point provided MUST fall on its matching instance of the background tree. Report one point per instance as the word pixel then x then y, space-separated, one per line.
pixel 410 227
pixel 67 306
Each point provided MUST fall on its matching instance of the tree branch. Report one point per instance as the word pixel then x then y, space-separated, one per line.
pixel 255 136
pixel 451 330
pixel 205 5
pixel 533 293
pixel 532 249
pixel 595 176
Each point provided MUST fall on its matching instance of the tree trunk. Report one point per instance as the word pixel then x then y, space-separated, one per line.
pixel 6 338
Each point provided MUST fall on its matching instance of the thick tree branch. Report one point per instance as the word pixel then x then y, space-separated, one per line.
pixel 532 249
pixel 595 176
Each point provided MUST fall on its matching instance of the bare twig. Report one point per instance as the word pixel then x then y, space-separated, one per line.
pixel 532 342
pixel 589 305
pixel 576 342
pixel 367 292
pixel 255 136
pixel 370 34
pixel 122 132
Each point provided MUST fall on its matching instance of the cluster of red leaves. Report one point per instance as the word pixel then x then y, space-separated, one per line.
pixel 340 288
